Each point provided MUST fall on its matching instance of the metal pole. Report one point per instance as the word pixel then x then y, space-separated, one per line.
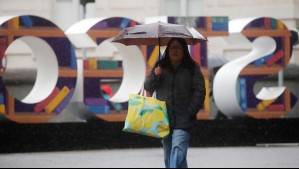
pixel 184 7
pixel 281 79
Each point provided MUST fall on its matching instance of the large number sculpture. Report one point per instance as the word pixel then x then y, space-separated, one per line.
pixel 270 54
pixel 96 70
pixel 57 69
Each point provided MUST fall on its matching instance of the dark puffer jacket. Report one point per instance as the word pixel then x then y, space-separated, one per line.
pixel 183 90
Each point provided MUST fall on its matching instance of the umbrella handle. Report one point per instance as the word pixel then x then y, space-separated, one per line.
pixel 159 49
pixel 159 77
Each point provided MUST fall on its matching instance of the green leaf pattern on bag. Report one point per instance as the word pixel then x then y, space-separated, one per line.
pixel 147 116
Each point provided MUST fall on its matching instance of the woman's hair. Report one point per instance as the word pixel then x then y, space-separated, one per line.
pixel 187 60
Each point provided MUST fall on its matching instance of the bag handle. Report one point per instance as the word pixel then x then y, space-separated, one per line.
pixel 154 95
pixel 143 93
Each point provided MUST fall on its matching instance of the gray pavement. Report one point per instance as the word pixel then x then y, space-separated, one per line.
pixel 243 157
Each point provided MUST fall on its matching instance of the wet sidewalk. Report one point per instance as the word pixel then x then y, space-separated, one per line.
pixel 242 157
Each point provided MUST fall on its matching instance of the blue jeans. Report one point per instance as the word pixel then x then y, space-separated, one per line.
pixel 176 148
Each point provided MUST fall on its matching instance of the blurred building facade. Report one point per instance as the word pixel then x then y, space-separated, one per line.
pixel 64 12
pixel 67 12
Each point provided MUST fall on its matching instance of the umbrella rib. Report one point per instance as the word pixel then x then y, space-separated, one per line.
pixel 137 33
pixel 178 34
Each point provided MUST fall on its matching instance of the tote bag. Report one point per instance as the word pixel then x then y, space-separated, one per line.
pixel 147 116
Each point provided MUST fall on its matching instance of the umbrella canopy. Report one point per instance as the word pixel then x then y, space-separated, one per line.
pixel 158 34
pixel 216 61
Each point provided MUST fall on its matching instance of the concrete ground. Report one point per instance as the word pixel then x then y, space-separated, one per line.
pixel 241 157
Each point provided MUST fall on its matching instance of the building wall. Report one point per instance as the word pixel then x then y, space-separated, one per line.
pixel 284 9
pixel 66 12
pixel 69 10
pixel 62 12
pixel 135 9
pixel 42 8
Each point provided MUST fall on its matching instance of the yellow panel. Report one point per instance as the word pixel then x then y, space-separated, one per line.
pixel 280 25
pixel 16 23
pixel 2 109
pixel 264 104
pixel 57 100
pixel 153 58
pixel 93 64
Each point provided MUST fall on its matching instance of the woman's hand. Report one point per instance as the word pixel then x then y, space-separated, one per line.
pixel 158 71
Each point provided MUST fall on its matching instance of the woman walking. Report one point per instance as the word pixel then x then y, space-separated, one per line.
pixel 179 82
